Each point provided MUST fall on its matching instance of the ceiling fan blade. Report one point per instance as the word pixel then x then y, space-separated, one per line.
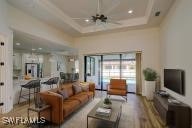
pixel 122 14
pixel 98 22
pixel 87 24
pixel 80 18
pixel 91 23
pixel 113 22
pixel 115 3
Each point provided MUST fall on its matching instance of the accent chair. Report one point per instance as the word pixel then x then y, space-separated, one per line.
pixel 117 87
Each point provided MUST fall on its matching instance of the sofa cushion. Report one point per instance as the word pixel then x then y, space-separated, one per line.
pixel 69 106
pixel 82 98
pixel 88 93
pixel 64 93
pixel 77 89
pixel 68 88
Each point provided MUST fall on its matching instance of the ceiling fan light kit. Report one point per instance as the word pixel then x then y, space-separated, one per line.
pixel 130 11
pixel 100 18
pixel 86 20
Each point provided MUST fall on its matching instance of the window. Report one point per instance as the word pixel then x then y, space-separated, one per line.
pixel 123 67
pixel 108 66
pixel 92 66
pixel 117 67
pixel 90 71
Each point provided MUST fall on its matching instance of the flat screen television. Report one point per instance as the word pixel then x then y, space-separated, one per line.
pixel 174 80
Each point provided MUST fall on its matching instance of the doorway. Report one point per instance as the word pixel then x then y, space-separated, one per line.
pixel 101 68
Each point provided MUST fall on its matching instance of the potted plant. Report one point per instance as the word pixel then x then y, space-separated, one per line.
pixel 107 103
pixel 150 82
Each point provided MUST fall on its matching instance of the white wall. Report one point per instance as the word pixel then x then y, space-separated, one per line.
pixel 176 45
pixel 20 21
pixel 6 53
pixel 146 40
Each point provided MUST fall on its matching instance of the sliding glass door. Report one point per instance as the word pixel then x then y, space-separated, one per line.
pixel 128 71
pixel 101 68
pixel 93 70
pixel 111 69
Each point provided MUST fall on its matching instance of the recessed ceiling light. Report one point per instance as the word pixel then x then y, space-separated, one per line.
pixel 87 20
pixel 33 49
pixel 130 11
pixel 18 44
pixel 40 48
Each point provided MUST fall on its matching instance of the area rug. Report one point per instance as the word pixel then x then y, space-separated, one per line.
pixel 79 118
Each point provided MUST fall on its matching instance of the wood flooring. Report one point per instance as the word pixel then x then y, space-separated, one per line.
pixel 145 115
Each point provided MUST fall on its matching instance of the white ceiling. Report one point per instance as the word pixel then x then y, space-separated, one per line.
pixel 60 13
pixel 116 9
pixel 29 42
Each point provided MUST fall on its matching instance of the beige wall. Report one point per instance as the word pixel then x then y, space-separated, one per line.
pixel 176 44
pixel 146 40
pixel 20 21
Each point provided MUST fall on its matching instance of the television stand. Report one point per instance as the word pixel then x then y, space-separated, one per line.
pixel 175 115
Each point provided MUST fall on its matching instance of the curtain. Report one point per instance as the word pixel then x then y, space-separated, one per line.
pixel 138 74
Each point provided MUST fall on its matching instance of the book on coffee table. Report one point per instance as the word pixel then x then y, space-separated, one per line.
pixel 103 111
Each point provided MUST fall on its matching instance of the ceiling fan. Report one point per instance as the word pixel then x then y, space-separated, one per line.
pixel 99 17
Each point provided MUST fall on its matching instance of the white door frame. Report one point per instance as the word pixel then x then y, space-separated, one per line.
pixel 6 85
pixel 2 73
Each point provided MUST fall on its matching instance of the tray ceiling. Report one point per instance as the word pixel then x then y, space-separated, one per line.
pixel 60 13
pixel 116 9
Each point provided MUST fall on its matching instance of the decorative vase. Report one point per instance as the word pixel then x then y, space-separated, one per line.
pixel 149 89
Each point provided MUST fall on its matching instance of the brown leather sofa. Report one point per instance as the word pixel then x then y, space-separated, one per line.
pixel 117 87
pixel 62 108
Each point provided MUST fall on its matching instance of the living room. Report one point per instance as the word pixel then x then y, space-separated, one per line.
pixel 35 57
pixel 162 41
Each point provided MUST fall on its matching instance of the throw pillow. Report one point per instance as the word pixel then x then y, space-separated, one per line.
pixel 77 89
pixel 54 93
pixel 85 88
pixel 63 93
pixel 84 83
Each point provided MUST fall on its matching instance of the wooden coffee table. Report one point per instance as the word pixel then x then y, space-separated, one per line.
pixel 112 120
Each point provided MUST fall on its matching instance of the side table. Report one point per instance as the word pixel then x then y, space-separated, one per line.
pixel 39 110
